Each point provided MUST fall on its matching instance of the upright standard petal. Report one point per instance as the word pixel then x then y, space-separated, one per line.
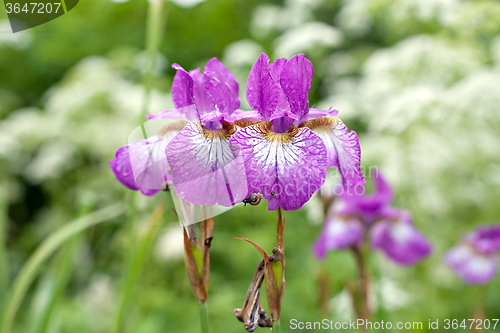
pixel 286 168
pixel 400 240
pixel 342 147
pixel 276 67
pixel 486 239
pixel 203 101
pixel 222 86
pixel 295 80
pixel 182 88
pixel 369 206
pixel 262 91
pixel 207 169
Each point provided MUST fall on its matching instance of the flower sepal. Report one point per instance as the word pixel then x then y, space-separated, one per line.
pixel 196 257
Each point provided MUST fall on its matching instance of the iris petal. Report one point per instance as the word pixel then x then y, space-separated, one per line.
pixel 317 113
pixel 338 232
pixel 472 267
pixel 285 168
pixel 204 103
pixel 295 80
pixel 276 67
pixel 262 91
pixel 207 168
pixel 182 88
pixel 142 165
pixel 342 147
pixel 222 86
pixel 139 166
pixel 400 240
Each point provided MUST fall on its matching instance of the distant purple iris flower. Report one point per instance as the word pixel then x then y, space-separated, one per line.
pixel 475 258
pixel 287 155
pixel 390 230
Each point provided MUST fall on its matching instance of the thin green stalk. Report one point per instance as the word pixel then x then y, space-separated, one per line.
pixel 276 326
pixel 203 316
pixel 154 29
pixel 4 269
pixel 131 229
pixel 361 305
pixel 135 268
pixel 45 250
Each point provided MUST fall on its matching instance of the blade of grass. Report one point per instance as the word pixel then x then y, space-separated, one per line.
pixel 58 279
pixel 4 269
pixel 4 264
pixel 135 266
pixel 45 250
pixel 59 275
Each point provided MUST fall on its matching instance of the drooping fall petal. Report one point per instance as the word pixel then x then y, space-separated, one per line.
pixel 471 266
pixel 140 166
pixel 286 168
pixel 400 240
pixel 207 169
pixel 342 147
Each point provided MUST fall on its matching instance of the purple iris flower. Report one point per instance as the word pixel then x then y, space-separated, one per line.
pixel 221 154
pixel 475 258
pixel 357 215
pixel 202 164
pixel 288 153
pixel 207 168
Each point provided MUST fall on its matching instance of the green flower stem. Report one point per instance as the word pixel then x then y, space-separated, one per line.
pixel 363 310
pixel 135 267
pixel 276 326
pixel 154 32
pixel 203 308
pixel 45 250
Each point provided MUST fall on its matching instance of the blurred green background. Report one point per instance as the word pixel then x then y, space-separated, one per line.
pixel 418 80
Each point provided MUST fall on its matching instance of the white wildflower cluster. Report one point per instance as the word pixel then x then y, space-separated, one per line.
pixel 295 27
pixel 429 101
pixel 83 119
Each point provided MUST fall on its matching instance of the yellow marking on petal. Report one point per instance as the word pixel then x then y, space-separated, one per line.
pixel 245 123
pixel 321 124
pixel 175 126
pixel 224 133
pixel 265 128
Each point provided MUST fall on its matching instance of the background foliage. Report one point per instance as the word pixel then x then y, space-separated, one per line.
pixel 418 80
